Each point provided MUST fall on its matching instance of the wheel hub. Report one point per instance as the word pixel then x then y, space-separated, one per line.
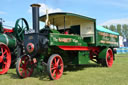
pixel 59 67
pixel 2 59
pixel 108 57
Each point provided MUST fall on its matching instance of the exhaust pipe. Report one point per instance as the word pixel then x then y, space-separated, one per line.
pixel 35 16
pixel 47 23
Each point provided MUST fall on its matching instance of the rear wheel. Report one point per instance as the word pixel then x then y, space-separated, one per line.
pixel 55 67
pixel 24 66
pixel 5 58
pixel 109 58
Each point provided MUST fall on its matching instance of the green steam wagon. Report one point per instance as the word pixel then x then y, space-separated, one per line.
pixel 10 41
pixel 67 38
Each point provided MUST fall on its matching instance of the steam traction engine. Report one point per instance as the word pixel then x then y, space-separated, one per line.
pixel 75 40
pixel 10 40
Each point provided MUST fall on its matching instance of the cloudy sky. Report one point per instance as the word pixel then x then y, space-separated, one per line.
pixel 106 12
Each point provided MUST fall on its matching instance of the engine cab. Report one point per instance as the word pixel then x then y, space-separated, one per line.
pixel 72 24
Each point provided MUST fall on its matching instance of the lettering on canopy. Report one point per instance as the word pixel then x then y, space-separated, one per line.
pixel 65 40
pixel 107 38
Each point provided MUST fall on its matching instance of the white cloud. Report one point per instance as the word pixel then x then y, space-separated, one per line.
pixel 2 12
pixel 115 22
pixel 114 3
pixel 50 10
pixel 9 24
pixel 44 7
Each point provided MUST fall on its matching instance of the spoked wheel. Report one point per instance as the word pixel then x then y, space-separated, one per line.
pixel 20 26
pixel 109 58
pixel 24 66
pixel 55 67
pixel 5 58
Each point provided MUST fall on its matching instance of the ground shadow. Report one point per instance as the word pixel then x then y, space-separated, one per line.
pixel 13 75
pixel 79 67
pixel 43 75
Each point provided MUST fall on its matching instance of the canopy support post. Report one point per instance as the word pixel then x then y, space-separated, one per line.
pixel 53 23
pixel 64 23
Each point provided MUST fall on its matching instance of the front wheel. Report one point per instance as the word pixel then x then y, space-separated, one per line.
pixel 24 66
pixel 55 67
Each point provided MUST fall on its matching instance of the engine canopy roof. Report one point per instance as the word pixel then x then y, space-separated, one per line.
pixel 57 18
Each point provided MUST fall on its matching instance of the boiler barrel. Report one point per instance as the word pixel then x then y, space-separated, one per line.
pixel 9 40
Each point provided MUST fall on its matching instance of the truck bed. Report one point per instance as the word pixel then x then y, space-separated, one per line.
pixel 106 37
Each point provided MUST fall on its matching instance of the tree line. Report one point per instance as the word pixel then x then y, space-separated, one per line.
pixel 121 29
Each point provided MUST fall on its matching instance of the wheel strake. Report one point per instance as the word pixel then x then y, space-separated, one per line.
pixel 5 58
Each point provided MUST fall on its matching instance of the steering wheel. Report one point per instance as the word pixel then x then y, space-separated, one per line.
pixel 20 27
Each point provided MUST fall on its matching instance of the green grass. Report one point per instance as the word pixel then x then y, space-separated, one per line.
pixel 122 55
pixel 92 74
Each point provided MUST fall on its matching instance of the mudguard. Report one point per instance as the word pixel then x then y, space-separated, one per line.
pixel 102 54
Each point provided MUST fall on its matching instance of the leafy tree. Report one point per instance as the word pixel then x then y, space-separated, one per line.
pixel 112 27
pixel 106 27
pixel 125 31
pixel 119 29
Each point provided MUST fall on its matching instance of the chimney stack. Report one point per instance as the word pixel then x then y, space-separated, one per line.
pixel 35 16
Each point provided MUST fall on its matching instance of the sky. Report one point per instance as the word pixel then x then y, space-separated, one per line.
pixel 106 12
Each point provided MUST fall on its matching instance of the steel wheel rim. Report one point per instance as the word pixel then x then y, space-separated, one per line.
pixel 109 58
pixel 56 67
pixel 5 59
pixel 25 67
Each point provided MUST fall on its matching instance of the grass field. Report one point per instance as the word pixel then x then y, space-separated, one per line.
pixel 92 74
